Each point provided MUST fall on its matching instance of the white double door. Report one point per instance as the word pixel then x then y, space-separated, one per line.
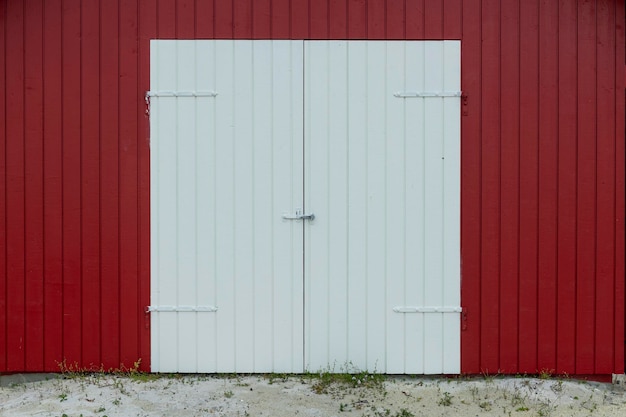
pixel 246 135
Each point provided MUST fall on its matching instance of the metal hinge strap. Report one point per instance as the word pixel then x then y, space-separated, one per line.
pixel 427 94
pixel 427 309
pixel 181 309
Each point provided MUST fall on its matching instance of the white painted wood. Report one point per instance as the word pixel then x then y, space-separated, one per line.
pixel 382 177
pixel 223 170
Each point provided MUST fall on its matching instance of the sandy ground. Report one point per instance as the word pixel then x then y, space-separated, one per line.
pixel 366 395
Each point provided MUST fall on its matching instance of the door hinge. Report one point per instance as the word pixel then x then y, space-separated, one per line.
pixel 181 309
pixel 427 309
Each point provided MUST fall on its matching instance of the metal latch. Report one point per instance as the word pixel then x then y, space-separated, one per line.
pixel 299 215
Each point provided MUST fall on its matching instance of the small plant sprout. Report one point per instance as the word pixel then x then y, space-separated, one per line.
pixel 445 400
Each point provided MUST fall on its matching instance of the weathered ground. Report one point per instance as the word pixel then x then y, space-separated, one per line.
pixel 326 395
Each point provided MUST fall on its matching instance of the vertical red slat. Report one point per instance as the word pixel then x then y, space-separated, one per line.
pixel 109 186
pixel 53 186
pixel 299 19
pixel 131 312
pixel 15 186
pixel 548 167
pixel 33 169
pixel 337 18
pixel 281 25
pixel 90 182
pixel 433 17
pixel 605 187
pixel 376 20
pixel 185 19
pixel 566 255
pixel 470 186
pixel 3 193
pixel 529 97
pixel 319 19
pixel 452 19
pixel 357 19
pixel 490 187
pixel 166 15
pixel 223 19
pixel 71 182
pixel 242 19
pixel 586 243
pixel 205 20
pixel 509 185
pixel 396 20
pixel 620 208
pixel 415 24
pixel 261 19
pixel 147 31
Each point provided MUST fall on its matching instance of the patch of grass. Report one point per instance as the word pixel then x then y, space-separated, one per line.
pixel 446 399
pixel 228 394
pixel 349 376
pixel 522 409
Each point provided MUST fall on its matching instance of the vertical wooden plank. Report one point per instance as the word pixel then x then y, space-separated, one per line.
pixel 509 185
pixel 605 188
pixel 453 19
pixel 451 285
pixel 490 188
pixel 281 25
pixel 433 18
pixel 205 18
pixel 128 105
pixel 3 192
pixel 320 19
pixel 470 186
pixel 242 19
pixel 15 221
pixel 72 292
pixel 548 183
pixel 299 19
pixel 395 20
pixel 53 191
pixel 357 19
pixel 147 30
pixel 224 19
pixel 109 185
pixel 567 155
pixel 620 209
pixel 415 24
pixel 90 181
pixel 337 19
pixel 185 19
pixel 586 191
pixel 166 18
pixel 33 178
pixel 529 96
pixel 376 22
pixel 261 19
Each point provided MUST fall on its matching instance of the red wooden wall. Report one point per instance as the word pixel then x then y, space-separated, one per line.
pixel 542 169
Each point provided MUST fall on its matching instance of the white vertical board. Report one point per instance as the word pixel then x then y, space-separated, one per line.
pixel 223 170
pixel 382 177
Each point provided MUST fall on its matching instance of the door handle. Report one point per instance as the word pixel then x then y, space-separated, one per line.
pixel 299 216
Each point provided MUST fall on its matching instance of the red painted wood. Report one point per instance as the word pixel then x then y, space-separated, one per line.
pixel 471 187
pixel 490 188
pixel 90 182
pixel 129 101
pixel 529 178
pixel 72 263
pixel 567 185
pixel 109 185
pixel 586 190
pixel 33 184
pixel 3 193
pixel 548 183
pixel 620 187
pixel 605 187
pixel 15 244
pixel 509 186
pixel 542 169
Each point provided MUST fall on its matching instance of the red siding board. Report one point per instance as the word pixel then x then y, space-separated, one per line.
pixel 509 186
pixel 33 183
pixel 542 169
